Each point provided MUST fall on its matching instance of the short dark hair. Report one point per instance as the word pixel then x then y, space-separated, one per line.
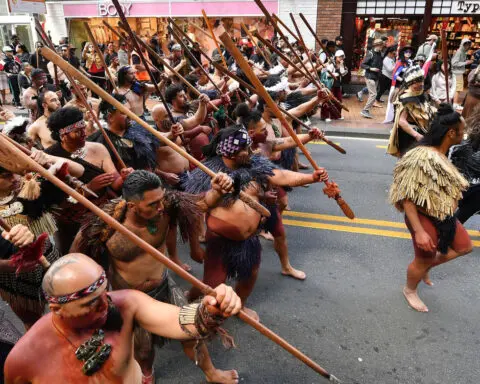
pixel 139 182
pixel 37 72
pixel 122 75
pixel 105 107
pixel 41 99
pixel 249 117
pixel 172 91
pixel 60 119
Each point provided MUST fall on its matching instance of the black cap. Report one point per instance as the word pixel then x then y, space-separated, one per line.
pixel 339 37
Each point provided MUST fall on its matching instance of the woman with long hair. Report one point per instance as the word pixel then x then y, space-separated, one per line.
pixel 427 187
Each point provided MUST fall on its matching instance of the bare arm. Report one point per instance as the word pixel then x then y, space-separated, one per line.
pixel 221 184
pixel 305 107
pixel 421 237
pixel 32 132
pixel 285 178
pixel 199 116
pixel 284 143
pixel 28 100
pixel 405 125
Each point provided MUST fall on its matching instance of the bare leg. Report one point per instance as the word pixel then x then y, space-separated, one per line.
pixel 144 354
pixel 172 248
pixel 212 374
pixel 283 203
pixel 281 247
pixel 244 289
pixel 4 97
pixel 417 269
pixel 196 251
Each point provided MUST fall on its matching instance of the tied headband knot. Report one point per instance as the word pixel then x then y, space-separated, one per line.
pixel 76 295
pixel 72 127
pixel 233 143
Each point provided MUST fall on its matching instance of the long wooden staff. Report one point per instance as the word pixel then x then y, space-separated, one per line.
pixel 210 28
pixel 315 36
pixel 100 55
pixel 253 90
pixel 445 60
pixel 278 20
pixel 121 164
pixel 331 189
pixel 164 62
pixel 6 149
pixel 249 34
pixel 66 67
pixel 304 46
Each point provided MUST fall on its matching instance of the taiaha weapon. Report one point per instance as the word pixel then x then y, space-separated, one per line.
pixel 66 67
pixel 278 20
pixel 331 189
pixel 249 34
pixel 443 34
pixel 253 90
pixel 304 46
pixel 315 35
pixel 27 258
pixel 8 150
pixel 127 28
pixel 100 55
pixel 210 28
pixel 88 107
pixel 67 178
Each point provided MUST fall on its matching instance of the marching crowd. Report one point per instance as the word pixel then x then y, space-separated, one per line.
pixel 110 303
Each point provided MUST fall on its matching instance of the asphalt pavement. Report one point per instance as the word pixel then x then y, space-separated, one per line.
pixel 349 315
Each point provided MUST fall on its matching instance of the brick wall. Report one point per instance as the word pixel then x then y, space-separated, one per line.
pixel 329 19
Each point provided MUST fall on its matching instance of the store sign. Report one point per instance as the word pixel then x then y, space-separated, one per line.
pixel 27 6
pixel 108 9
pixel 466 7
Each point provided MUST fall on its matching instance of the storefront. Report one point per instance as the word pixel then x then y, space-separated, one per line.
pixel 407 22
pixel 66 18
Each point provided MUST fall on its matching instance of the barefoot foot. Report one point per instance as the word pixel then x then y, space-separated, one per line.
pixel 414 301
pixel 426 279
pixel 295 273
pixel 222 377
pixel 266 235
pixel 185 266
pixel 251 313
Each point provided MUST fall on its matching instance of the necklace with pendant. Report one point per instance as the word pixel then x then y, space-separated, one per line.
pixel 89 352
pixel 152 227
pixel 79 153
pixel 7 199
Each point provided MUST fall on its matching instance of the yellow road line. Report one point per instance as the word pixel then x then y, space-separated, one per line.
pixel 342 219
pixel 319 143
pixel 360 230
pixel 381 146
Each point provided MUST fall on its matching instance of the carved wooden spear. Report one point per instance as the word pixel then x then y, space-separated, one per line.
pixel 331 189
pixel 66 67
pixel 253 90
pixel 9 151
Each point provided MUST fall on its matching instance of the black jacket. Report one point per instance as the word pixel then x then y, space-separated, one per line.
pixel 372 59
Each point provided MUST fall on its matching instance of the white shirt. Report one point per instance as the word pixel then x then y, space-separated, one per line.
pixel 439 89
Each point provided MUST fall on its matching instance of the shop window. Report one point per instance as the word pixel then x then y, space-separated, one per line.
pixel 397 7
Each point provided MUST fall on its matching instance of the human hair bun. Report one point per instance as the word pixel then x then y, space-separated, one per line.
pixel 445 109
pixel 242 110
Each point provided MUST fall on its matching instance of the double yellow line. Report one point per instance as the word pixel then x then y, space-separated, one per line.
pixel 363 226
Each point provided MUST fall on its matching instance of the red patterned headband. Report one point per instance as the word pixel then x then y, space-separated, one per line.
pixel 72 127
pixel 76 295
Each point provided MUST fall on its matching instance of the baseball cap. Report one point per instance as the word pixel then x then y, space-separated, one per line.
pixel 432 37
pixel 339 53
pixel 339 38
pixel 378 42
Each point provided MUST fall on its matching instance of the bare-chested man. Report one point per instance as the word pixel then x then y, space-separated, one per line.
pixel 233 248
pixel 101 176
pixel 30 96
pixel 148 211
pixel 134 91
pixel 48 102
pixel 76 102
pixel 257 130
pixel 81 310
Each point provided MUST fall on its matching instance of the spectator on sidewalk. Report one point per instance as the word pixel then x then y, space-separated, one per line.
pixel 337 70
pixel 68 53
pixel 386 76
pixel 25 77
pixel 110 54
pixel 123 54
pixel 426 47
pixel 22 53
pixel 459 62
pixel 12 67
pixel 14 42
pixel 372 63
pixel 438 92
pixel 3 84
pixel 339 43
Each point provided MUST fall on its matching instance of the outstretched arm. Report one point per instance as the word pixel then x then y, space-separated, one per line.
pixel 287 142
pixel 284 178
pixel 163 319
